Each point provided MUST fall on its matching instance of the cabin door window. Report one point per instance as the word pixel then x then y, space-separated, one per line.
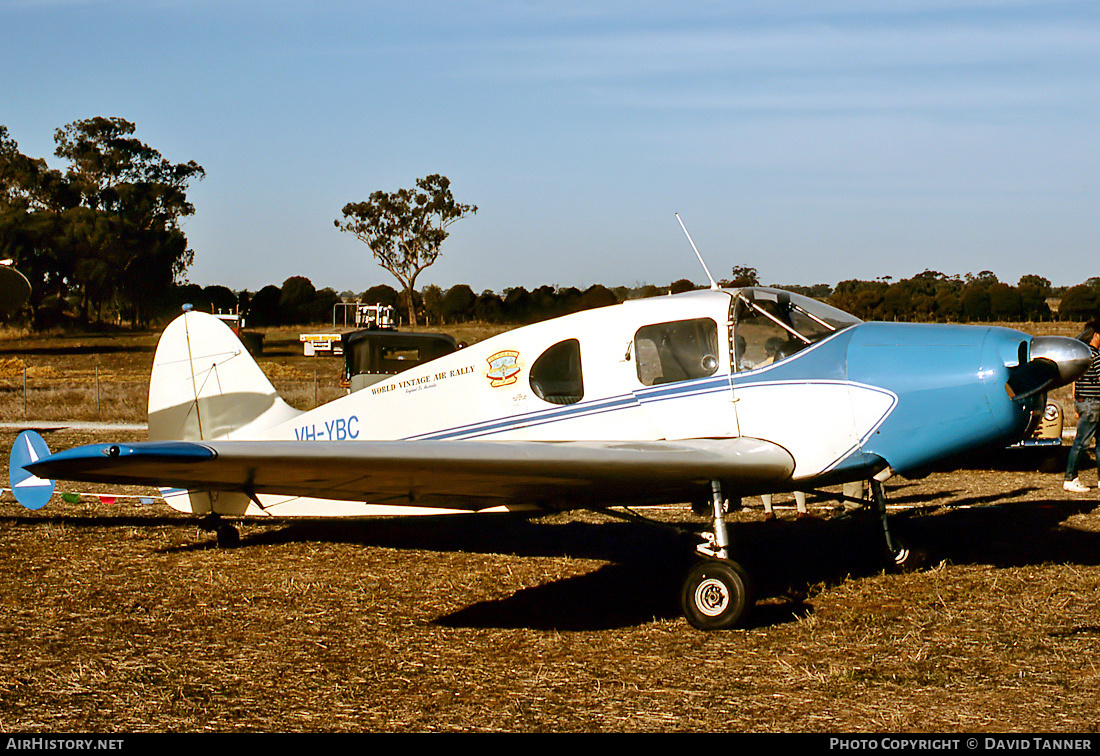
pixel 681 350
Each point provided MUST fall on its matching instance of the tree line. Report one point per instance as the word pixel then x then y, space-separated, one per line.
pixel 100 239
pixel 927 297
pixel 933 296
pixel 299 302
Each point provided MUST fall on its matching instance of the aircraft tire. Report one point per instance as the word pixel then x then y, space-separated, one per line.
pixel 228 536
pixel 716 595
pixel 909 560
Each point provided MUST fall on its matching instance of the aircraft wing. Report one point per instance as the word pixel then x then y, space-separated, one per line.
pixel 459 474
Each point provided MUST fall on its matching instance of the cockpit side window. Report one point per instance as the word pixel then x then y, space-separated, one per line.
pixel 760 341
pixel 677 351
pixel 556 375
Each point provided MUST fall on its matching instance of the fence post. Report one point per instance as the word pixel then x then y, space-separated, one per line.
pixel 97 389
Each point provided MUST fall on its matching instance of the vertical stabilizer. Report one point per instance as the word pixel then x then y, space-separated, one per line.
pixel 205 385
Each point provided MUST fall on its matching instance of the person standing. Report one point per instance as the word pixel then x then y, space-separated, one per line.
pixel 800 503
pixel 1086 400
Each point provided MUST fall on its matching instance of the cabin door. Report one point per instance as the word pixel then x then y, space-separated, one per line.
pixel 681 365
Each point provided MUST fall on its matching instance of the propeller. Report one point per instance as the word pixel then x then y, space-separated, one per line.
pixel 1055 361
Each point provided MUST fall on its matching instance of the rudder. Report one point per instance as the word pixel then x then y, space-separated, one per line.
pixel 205 385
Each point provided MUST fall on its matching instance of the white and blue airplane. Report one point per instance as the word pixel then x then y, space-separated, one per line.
pixel 698 397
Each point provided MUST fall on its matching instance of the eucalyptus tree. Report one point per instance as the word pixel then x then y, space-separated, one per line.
pixel 134 199
pixel 108 225
pixel 405 229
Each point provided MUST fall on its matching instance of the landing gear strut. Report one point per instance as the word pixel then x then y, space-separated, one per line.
pixel 716 542
pixel 717 593
pixel 902 557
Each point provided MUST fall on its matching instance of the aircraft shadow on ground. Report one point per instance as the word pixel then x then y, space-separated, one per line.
pixel 646 566
pixel 106 521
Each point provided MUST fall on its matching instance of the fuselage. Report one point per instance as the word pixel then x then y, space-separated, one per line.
pixel 845 398
pixel 749 390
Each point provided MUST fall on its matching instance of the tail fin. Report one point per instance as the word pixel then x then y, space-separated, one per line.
pixel 205 385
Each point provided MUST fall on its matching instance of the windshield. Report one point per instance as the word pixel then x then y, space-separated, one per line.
pixel 771 325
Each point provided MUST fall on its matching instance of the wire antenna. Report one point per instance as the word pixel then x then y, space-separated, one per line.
pixel 706 270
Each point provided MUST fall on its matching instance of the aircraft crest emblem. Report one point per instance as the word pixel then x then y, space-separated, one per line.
pixel 504 368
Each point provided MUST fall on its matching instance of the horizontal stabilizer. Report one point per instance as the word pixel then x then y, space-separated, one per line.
pixel 30 490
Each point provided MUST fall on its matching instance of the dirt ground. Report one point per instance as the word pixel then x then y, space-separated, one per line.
pixel 124 617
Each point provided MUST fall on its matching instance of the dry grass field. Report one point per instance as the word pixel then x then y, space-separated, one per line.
pixel 124 617
pixel 104 377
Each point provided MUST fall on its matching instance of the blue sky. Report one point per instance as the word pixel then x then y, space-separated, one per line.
pixel 813 141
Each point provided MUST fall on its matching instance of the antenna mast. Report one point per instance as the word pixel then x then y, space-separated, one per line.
pixel 706 270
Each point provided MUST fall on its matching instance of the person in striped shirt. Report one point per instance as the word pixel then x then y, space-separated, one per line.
pixel 1086 399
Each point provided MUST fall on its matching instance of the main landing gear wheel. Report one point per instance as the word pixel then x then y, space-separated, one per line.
pixel 716 595
pixel 899 555
pixel 907 559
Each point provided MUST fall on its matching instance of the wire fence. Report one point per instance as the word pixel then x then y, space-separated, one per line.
pixel 32 393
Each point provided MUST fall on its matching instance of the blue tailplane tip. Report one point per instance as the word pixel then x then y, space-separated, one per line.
pixel 30 490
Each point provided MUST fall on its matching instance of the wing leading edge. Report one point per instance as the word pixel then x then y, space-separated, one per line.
pixel 458 474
